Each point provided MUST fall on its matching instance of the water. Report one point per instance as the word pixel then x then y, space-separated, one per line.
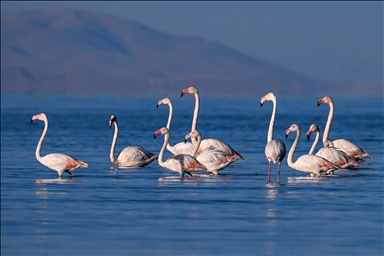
pixel 152 211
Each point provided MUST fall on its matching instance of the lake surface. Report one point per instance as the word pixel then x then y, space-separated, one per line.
pixel 151 210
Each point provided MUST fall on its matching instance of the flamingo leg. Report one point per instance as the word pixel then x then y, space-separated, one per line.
pixel 278 173
pixel 189 174
pixel 269 171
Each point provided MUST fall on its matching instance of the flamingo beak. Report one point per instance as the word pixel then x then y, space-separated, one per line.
pixel 309 134
pixel 31 120
pixel 320 101
pixel 156 133
pixel 288 131
pixel 184 91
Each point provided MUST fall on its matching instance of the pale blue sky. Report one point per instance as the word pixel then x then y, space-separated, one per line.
pixel 338 41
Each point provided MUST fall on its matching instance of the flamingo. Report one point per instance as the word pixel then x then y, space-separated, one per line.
pixel 56 161
pixel 181 147
pixel 330 153
pixel 181 163
pixel 132 156
pixel 212 158
pixel 350 148
pixel 307 163
pixel 218 144
pixel 275 149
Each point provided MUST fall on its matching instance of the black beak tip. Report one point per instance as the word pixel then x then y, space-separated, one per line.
pixel 157 106
pixel 181 94
pixel 261 104
pixel 31 121
pixel 308 137
pixel 286 135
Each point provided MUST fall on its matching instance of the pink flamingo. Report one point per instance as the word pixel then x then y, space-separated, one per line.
pixel 275 149
pixel 347 146
pixel 212 158
pixel 132 156
pixel 218 144
pixel 307 163
pixel 181 147
pixel 181 163
pixel 56 161
pixel 330 153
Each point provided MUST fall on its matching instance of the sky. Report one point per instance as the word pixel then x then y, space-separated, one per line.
pixel 338 41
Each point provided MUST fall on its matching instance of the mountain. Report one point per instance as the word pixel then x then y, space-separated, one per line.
pixel 70 51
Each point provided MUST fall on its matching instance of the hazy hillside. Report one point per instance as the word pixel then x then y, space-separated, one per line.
pixel 82 52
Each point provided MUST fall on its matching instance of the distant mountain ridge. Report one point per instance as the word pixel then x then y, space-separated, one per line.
pixel 71 51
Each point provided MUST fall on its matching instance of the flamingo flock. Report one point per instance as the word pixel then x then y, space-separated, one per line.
pixel 212 155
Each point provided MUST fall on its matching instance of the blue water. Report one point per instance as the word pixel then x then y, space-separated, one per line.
pixel 152 211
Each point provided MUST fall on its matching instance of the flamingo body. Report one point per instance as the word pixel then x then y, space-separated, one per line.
pixel 351 148
pixel 181 163
pixel 55 161
pixel 275 151
pixel 134 156
pixel 221 146
pixel 129 157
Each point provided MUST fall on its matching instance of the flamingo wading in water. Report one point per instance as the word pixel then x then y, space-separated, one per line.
pixel 181 147
pixel 344 145
pixel 56 161
pixel 218 144
pixel 132 156
pixel 181 163
pixel 275 149
pixel 307 163
pixel 330 153
pixel 212 158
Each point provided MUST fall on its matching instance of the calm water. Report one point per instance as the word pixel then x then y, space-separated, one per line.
pixel 152 211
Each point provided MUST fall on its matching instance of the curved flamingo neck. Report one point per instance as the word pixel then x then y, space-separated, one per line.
pixel 114 140
pixel 292 150
pixel 195 116
pixel 314 143
pixel 38 148
pixel 161 154
pixel 170 116
pixel 329 121
pixel 272 122
pixel 197 145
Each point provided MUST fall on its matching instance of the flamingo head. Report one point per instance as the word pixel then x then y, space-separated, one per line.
pixel 41 116
pixel 293 128
pixel 190 90
pixel 112 120
pixel 326 99
pixel 193 134
pixel 312 129
pixel 162 130
pixel 269 96
pixel 328 144
pixel 163 101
